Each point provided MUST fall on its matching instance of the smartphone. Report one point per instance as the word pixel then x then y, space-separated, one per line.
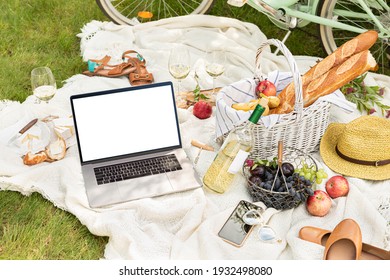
pixel 235 230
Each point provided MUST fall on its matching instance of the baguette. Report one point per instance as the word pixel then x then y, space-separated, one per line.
pixel 330 81
pixel 358 44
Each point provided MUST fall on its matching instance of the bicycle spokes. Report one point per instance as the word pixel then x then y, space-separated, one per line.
pixel 366 15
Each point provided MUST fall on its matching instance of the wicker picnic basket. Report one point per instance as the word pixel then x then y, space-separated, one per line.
pixel 301 129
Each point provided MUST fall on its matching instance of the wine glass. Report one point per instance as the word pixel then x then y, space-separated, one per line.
pixel 179 67
pixel 215 65
pixel 43 83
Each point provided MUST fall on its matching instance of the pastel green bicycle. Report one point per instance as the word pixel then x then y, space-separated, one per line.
pixel 338 20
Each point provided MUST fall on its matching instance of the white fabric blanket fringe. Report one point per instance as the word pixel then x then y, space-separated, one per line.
pixel 184 225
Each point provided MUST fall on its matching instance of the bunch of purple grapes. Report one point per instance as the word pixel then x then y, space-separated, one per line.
pixel 267 177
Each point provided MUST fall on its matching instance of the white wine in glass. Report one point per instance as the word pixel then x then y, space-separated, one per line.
pixel 179 71
pixel 215 65
pixel 179 67
pixel 43 83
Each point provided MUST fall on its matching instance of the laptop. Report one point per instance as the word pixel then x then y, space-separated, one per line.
pixel 130 145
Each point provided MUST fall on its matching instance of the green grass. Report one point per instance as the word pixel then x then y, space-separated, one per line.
pixel 301 41
pixel 43 32
pixel 32 228
pixel 39 33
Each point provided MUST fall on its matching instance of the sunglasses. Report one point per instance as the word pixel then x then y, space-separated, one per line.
pixel 265 232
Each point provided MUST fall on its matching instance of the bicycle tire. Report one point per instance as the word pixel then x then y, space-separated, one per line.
pixel 331 38
pixel 127 11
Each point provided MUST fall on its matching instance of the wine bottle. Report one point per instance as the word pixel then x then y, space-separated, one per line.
pixel 232 154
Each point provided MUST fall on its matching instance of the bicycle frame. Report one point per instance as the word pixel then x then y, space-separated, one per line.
pixel 294 9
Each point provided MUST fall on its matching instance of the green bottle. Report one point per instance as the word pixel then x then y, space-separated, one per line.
pixel 232 154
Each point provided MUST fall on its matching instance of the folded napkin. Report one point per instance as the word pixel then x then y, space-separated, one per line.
pixel 244 91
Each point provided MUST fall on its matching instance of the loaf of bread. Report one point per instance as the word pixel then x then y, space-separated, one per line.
pixel 32 159
pixel 338 76
pixel 358 44
pixel 349 61
pixel 327 83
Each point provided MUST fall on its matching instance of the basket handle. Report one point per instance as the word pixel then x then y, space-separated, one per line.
pixel 298 107
pixel 280 153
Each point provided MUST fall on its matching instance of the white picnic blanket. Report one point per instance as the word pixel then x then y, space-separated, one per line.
pixel 183 225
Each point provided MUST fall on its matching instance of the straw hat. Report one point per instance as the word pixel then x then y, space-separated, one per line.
pixel 358 149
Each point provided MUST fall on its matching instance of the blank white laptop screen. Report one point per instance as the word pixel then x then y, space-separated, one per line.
pixel 127 122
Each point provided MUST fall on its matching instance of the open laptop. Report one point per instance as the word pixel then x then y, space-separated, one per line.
pixel 129 144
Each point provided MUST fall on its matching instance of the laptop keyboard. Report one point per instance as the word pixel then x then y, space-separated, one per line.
pixel 135 169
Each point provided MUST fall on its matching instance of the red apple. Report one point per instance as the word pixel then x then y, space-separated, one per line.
pixel 319 203
pixel 202 110
pixel 337 186
pixel 265 87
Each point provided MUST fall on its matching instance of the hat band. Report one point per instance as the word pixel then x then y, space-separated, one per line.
pixel 363 162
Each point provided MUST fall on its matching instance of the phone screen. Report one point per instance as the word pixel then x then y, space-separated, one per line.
pixel 235 230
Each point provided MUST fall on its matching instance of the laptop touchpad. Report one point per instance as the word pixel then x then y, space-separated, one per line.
pixel 145 186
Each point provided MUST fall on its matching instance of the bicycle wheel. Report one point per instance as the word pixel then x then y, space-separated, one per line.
pixel 351 12
pixel 135 11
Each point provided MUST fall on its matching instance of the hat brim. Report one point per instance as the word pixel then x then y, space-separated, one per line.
pixel 336 163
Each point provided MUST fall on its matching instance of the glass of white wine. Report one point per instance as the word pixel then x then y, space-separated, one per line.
pixel 179 68
pixel 43 83
pixel 215 64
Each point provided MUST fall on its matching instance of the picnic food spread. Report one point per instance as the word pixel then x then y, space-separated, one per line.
pixel 345 148
pixel 301 170
pixel 348 62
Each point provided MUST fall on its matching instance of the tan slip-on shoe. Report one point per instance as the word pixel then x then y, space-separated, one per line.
pixel 320 236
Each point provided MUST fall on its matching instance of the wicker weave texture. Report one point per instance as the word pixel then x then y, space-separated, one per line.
pixel 302 128
pixel 304 135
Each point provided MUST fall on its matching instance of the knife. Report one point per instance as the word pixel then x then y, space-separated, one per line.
pixel 23 130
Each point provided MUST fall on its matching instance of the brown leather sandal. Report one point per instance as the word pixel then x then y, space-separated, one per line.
pixel 140 76
pixel 102 68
